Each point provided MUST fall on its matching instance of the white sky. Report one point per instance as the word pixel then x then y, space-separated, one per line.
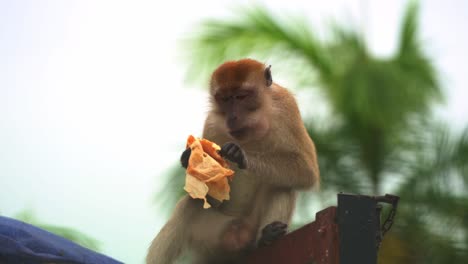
pixel 93 99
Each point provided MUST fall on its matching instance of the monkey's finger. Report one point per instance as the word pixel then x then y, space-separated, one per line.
pixel 240 159
pixel 274 226
pixel 240 154
pixel 282 233
pixel 224 149
pixel 280 225
pixel 274 234
pixel 243 164
pixel 277 223
pixel 232 152
pixel 184 158
pixel 270 233
pixel 237 155
pixel 277 233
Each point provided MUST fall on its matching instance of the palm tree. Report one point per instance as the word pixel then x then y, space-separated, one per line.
pixel 379 134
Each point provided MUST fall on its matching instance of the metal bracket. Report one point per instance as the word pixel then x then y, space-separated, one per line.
pixel 360 231
pixel 393 201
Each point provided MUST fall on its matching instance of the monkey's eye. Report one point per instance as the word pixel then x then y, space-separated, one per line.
pixel 222 98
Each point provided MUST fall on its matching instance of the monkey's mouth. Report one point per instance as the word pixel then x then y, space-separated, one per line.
pixel 238 133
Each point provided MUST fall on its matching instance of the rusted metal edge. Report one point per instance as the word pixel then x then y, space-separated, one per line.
pixel 316 242
pixel 347 234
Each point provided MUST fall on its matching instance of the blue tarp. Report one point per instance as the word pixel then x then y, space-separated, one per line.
pixel 24 243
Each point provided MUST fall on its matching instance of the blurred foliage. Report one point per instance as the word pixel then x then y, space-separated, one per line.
pixel 380 135
pixel 74 235
pixel 172 190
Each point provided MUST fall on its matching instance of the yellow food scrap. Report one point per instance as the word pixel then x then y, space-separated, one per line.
pixel 196 189
pixel 207 171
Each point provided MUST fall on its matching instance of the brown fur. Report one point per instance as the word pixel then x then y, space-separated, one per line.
pixel 281 159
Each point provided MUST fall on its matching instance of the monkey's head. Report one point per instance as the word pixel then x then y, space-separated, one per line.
pixel 240 94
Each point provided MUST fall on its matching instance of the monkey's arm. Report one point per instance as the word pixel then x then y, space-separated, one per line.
pixel 285 169
pixel 170 242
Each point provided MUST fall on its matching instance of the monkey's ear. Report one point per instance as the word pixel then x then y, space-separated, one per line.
pixel 268 78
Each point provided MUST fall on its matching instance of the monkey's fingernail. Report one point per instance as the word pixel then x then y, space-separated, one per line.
pixel 231 153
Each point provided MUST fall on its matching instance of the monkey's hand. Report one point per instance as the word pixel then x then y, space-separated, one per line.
pixel 185 157
pixel 271 232
pixel 231 151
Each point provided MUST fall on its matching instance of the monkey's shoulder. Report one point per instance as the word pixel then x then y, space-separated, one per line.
pixel 283 96
pixel 280 92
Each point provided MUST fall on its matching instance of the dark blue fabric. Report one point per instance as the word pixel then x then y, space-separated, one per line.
pixel 24 243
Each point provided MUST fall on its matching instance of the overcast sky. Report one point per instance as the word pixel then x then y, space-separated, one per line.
pixel 94 107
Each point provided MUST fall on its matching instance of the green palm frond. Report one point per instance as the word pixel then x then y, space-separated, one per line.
pixel 460 156
pixel 337 161
pixel 255 31
pixel 408 35
pixel 435 190
pixel 433 248
pixel 416 68
pixel 441 162
pixel 171 191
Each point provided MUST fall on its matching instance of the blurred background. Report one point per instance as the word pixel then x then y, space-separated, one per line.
pixel 97 99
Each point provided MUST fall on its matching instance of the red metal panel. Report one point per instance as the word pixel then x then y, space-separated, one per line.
pixel 316 242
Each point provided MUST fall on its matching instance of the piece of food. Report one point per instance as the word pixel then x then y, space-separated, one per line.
pixel 207 171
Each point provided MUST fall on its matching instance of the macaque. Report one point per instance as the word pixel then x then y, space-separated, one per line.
pixel 258 124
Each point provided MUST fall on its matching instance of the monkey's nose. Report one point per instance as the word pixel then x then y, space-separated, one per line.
pixel 231 121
